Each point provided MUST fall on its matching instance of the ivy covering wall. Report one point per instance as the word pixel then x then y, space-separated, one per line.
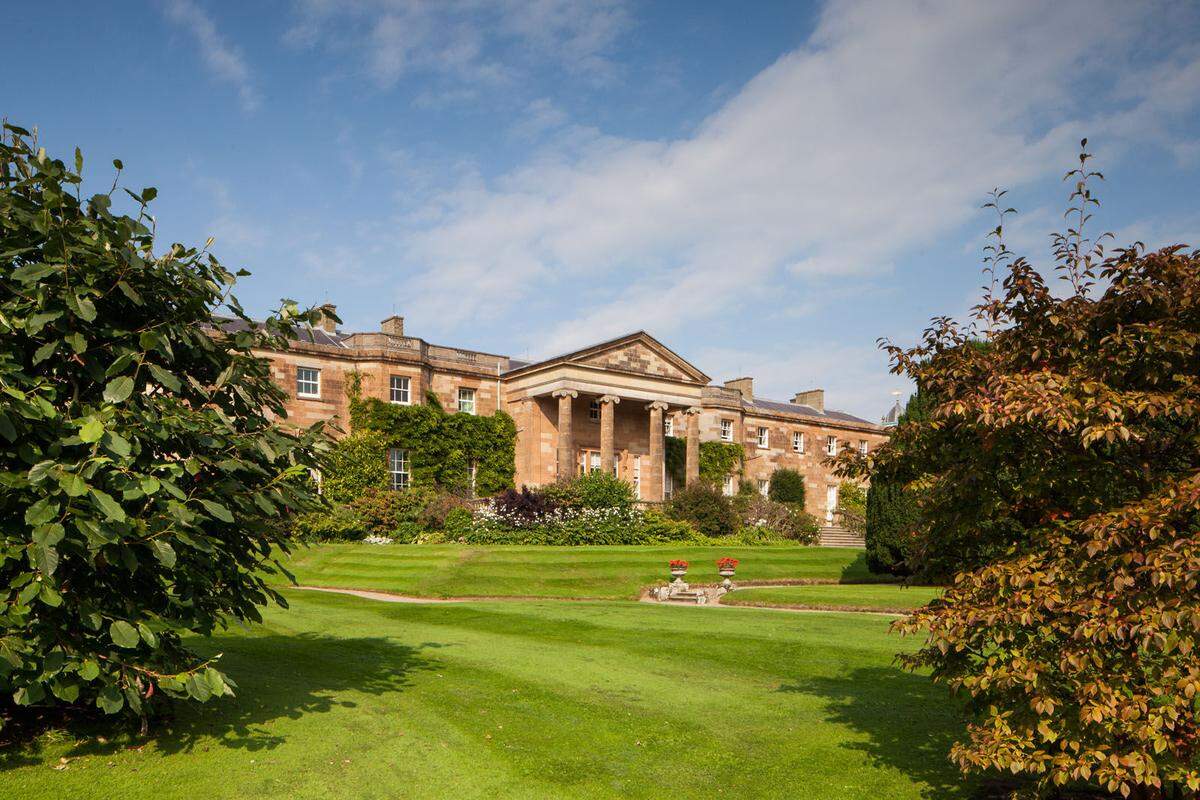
pixel 717 459
pixel 441 447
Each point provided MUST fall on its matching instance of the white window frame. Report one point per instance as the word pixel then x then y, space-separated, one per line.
pixel 668 484
pixel 764 437
pixel 469 398
pixel 764 487
pixel 400 390
pixel 473 470
pixel 589 461
pixel 315 381
pixel 399 468
pixel 798 442
pixel 669 427
pixel 727 488
pixel 831 445
pixel 831 502
pixel 637 477
pixel 726 430
pixel 862 446
pixel 594 411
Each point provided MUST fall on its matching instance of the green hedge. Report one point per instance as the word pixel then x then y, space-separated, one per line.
pixel 584 527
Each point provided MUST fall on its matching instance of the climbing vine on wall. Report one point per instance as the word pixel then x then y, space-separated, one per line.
pixel 717 459
pixel 441 446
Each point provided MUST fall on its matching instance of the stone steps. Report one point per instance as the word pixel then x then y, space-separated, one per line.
pixel 840 537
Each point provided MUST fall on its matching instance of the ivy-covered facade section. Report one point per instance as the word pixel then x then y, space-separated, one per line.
pixel 717 459
pixel 441 447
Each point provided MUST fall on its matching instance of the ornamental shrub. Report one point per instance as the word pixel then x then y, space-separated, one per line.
pixel 602 490
pixel 1060 465
pixel 852 506
pixel 438 506
pixel 144 475
pixel 704 506
pixel 340 523
pixel 382 510
pixel 525 506
pixel 891 528
pixel 781 520
pixel 892 522
pixel 786 486
pixel 355 464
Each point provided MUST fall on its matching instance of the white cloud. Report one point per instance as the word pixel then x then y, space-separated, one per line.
pixel 223 60
pixel 876 137
pixel 477 42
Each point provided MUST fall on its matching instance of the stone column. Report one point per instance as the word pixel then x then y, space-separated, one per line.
pixel 607 451
pixel 692 470
pixel 566 437
pixel 652 479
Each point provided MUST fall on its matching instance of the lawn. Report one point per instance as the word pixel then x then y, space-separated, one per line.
pixel 342 697
pixel 858 597
pixel 581 572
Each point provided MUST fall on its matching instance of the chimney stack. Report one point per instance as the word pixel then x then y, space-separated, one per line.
pixel 743 385
pixel 327 319
pixel 393 326
pixel 813 397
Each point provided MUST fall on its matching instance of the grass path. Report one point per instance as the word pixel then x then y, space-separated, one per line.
pixel 848 597
pixel 604 573
pixel 346 698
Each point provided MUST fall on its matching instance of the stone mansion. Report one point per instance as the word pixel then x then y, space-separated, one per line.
pixel 607 406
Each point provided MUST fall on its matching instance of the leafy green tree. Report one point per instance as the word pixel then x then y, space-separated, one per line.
pixel 852 505
pixel 1068 449
pixel 787 486
pixel 144 479
pixel 892 527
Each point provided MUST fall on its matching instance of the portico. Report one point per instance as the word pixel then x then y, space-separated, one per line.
pixel 606 408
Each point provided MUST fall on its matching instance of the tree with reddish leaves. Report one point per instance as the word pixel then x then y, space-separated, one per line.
pixel 1059 481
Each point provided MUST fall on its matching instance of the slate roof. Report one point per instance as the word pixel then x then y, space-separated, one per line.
pixel 303 332
pixel 776 407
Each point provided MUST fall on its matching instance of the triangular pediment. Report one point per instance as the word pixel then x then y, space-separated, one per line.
pixel 637 353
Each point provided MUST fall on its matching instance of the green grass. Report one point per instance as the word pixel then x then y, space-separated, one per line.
pixel 347 698
pixel 842 596
pixel 583 572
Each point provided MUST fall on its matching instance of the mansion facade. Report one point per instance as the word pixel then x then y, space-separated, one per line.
pixel 607 406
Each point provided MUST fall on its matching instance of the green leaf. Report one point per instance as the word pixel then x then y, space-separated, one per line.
pixel 117 444
pixel 215 681
pixel 111 508
pixel 147 635
pixel 217 510
pixel 163 552
pixel 44 352
pixel 85 308
pixel 41 512
pixel 91 430
pixel 50 596
pixel 149 484
pixel 110 700
pixel 30 273
pixel 28 695
pixel 165 378
pixel 118 389
pixel 123 634
pixel 197 687
pixel 34 325
pixel 89 670
pixel 67 692
pixel 7 429
pixel 72 484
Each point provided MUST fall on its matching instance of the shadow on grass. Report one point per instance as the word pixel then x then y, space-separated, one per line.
pixel 278 677
pixel 909 723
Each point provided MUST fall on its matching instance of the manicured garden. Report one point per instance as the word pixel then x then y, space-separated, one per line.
pixel 851 597
pixel 341 697
pixel 618 573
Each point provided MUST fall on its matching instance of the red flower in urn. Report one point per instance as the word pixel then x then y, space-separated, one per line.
pixel 726 564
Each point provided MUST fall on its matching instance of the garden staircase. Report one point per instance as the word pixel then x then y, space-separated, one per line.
pixel 831 536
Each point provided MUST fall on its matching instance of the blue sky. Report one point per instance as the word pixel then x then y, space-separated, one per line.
pixel 766 187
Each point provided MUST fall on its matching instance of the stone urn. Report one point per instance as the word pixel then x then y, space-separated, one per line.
pixel 678 570
pixel 725 568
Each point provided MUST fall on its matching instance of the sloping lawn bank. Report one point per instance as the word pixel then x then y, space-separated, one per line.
pixel 851 597
pixel 347 698
pixel 617 573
